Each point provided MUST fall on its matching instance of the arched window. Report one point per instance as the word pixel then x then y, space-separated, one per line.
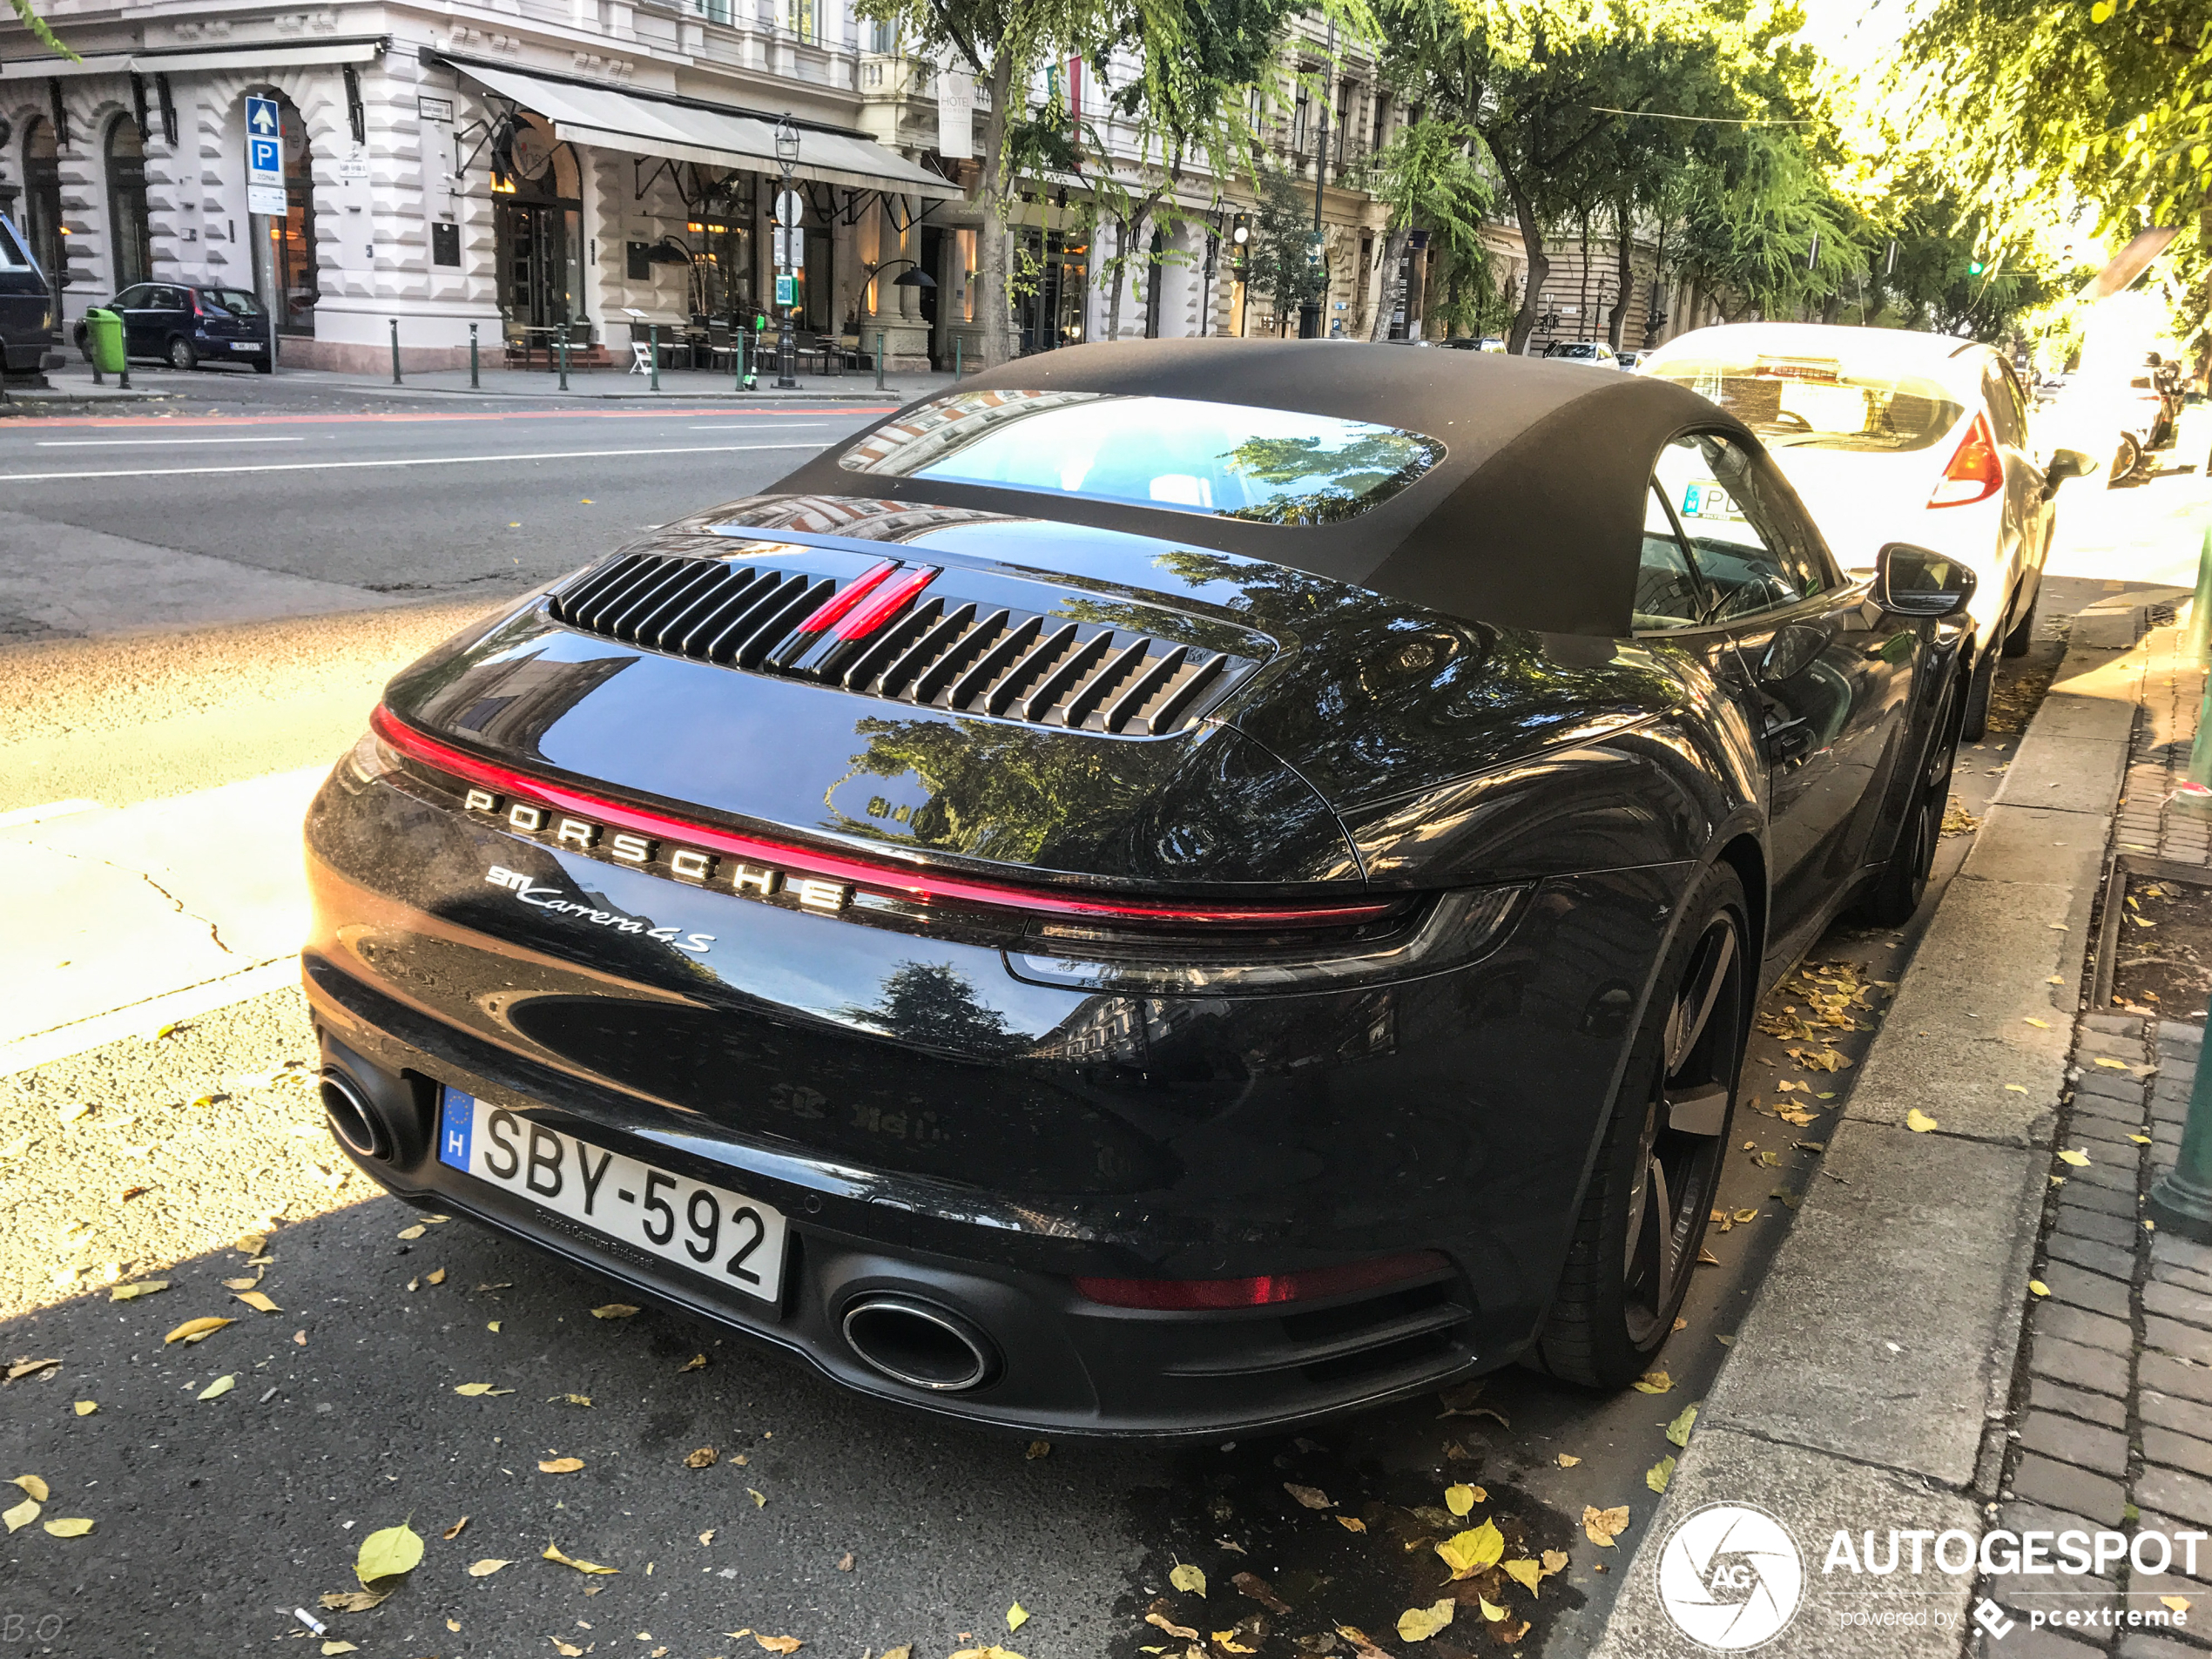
pixel 126 203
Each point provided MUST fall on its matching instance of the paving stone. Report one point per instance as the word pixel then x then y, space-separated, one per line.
pixel 2090 1368
pixel 2173 1033
pixel 2116 1231
pixel 2030 1642
pixel 2097 1200
pixel 2113 1261
pixel 2105 1141
pixel 2182 1252
pixel 2110 1086
pixel 2041 1479
pixel 2044 1395
pixel 2106 1173
pixel 2091 1330
pixel 2174 1491
pixel 2172 1377
pixel 2107 1024
pixel 2076 1288
pixel 2141 1644
pixel 2169 1336
pixel 2173 1411
pixel 2068 1442
pixel 2166 1301
pixel 2125 1044
pixel 2163 1447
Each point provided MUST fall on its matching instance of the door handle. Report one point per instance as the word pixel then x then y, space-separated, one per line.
pixel 1788 742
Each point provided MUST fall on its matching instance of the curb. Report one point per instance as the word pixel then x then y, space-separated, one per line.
pixel 1868 1385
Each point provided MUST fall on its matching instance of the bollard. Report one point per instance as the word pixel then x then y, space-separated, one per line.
pixel 739 386
pixel 396 351
pixel 2181 1200
pixel 123 380
pixel 2201 610
pixel 565 363
pixel 652 348
pixel 879 360
pixel 475 385
pixel 957 346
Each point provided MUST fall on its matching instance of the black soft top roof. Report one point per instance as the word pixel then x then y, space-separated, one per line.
pixel 1532 519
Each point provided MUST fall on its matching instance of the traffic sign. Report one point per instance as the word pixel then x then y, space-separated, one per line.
pixel 265 192
pixel 786 291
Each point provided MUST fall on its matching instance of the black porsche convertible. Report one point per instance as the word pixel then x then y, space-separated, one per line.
pixel 1173 888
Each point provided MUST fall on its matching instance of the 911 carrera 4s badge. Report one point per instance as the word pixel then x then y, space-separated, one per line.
pixel 549 899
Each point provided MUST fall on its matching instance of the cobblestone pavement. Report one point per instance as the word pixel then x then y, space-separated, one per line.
pixel 2112 1419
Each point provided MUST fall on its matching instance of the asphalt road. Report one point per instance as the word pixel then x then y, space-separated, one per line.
pixel 849 1526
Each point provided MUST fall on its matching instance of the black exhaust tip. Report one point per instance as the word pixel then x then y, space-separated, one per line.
pixel 920 1343
pixel 351 1118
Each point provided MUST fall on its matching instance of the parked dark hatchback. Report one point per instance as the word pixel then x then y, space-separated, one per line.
pixel 1172 888
pixel 26 303
pixel 183 324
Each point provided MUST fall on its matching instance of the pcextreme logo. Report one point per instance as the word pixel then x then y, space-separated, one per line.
pixel 1731 1577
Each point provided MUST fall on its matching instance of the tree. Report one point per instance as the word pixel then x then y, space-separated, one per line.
pixel 1427 178
pixel 1280 261
pixel 2108 104
pixel 1004 43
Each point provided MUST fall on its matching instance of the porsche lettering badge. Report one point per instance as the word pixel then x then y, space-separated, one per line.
pixel 688 864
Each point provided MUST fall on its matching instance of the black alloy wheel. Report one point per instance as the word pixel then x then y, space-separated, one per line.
pixel 1643 1219
pixel 1903 882
pixel 181 353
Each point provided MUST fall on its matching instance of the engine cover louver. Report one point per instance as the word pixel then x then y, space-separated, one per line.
pixel 930 646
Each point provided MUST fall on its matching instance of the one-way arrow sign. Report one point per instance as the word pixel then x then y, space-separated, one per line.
pixel 260 115
pixel 265 192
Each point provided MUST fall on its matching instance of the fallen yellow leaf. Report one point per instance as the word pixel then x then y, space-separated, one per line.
pixel 1678 1431
pixel 566 1649
pixel 132 1292
pixel 1527 1573
pixel 1419 1623
pixel 552 1553
pixel 197 1330
pixel 2016 1088
pixel 22 1515
pixel 559 1465
pixel 613 1311
pixel 1469 1552
pixel 1567 1462
pixel 1659 1473
pixel 86 1407
pixel 1554 1561
pixel 704 1458
pixel 1919 1122
pixel 217 1389
pixel 2078 1160
pixel 33 1485
pixel 2175 1603
pixel 1350 1523
pixel 1017 1617
pixel 1312 1497
pixel 1653 1382
pixel 1187 1579
pixel 1601 1526
pixel 387 1552
pixel 1459 1499
pixel 2038 1287
pixel 435 1276
pixel 415 1232
pixel 2040 1025
pixel 332 1648
pixel 696 1362
pixel 792 1644
pixel 258 1301
pixel 1161 1622
pixel 1037 1449
pixel 2139 1140
pixel 487 1567
pixel 454 1531
pixel 759 1499
pixel 355 1601
pixel 479 1391
pixel 1490 1610
pixel 707 1537
pixel 74 1527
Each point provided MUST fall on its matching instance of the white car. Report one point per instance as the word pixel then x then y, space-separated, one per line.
pixel 1893 435
pixel 1595 353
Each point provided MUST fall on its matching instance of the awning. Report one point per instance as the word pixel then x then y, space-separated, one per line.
pixel 245 56
pixel 587 112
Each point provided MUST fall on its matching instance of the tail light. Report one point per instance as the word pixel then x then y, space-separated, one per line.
pixel 845 598
pixel 1976 472
pixel 1214 1294
pixel 886 604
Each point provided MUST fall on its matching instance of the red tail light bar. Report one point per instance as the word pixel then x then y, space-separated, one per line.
pixel 886 604
pixel 905 881
pixel 845 598
pixel 1192 1294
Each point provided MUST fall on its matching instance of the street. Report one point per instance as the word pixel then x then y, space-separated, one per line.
pixel 197 607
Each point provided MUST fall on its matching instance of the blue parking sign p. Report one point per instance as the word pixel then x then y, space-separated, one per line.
pixel 263 155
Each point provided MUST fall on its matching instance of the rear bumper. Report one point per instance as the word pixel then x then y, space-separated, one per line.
pixel 1063 1366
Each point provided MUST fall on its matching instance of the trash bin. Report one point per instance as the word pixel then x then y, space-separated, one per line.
pixel 103 339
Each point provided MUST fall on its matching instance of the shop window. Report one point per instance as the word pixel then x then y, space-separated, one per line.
pixel 126 198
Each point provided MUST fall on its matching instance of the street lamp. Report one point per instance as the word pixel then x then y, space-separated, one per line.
pixel 786 293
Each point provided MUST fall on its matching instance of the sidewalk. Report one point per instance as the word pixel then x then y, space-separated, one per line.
pixel 1970 1329
pixel 74 384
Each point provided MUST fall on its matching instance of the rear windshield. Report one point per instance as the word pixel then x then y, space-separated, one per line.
pixel 234 300
pixel 1814 403
pixel 1271 466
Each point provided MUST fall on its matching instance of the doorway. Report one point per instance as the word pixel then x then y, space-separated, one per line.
pixel 43 210
pixel 537 227
pixel 932 266
pixel 1052 311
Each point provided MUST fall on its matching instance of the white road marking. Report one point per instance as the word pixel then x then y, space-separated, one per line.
pixel 419 461
pixel 119 443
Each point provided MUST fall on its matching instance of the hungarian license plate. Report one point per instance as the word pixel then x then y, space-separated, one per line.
pixel 735 1240
pixel 246 345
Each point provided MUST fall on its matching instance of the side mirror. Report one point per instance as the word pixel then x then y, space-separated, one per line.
pixel 2065 464
pixel 1915 582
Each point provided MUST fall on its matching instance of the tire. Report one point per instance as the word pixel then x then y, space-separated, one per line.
pixel 1636 1240
pixel 263 365
pixel 1973 725
pixel 1903 882
pixel 2125 459
pixel 2022 633
pixel 182 354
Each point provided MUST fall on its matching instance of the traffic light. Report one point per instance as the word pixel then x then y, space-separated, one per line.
pixel 1240 237
pixel 1973 268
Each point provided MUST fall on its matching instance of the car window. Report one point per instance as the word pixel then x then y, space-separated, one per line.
pixel 1667 592
pixel 131 298
pixel 1818 403
pixel 2004 410
pixel 169 299
pixel 1748 549
pixel 234 300
pixel 12 258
